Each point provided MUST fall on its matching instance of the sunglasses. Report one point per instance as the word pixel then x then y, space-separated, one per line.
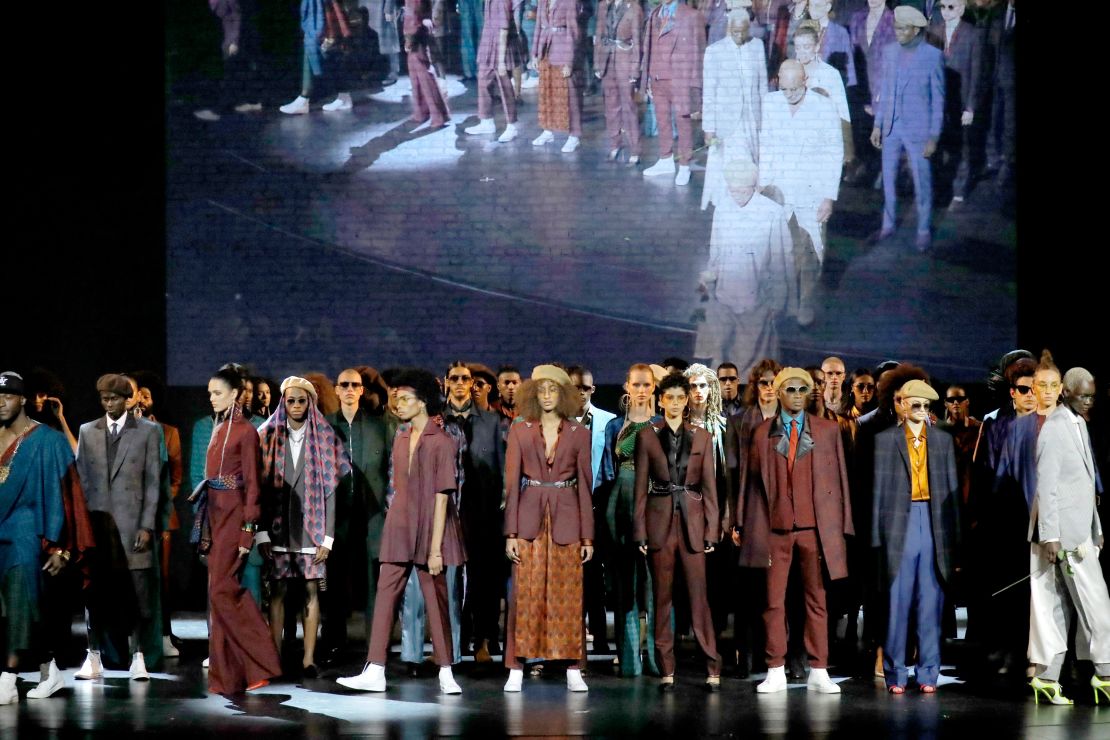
pixel 480 383
pixel 766 384
pixel 296 402
pixel 792 390
pixel 349 384
pixel 948 6
pixel 1023 390
pixel 864 386
pixel 700 386
pixel 459 378
pixel 955 399
pixel 727 379
pixel 919 406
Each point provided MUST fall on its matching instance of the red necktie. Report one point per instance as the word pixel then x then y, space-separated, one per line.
pixel 793 445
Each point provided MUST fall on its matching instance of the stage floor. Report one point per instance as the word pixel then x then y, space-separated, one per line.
pixel 332 238
pixel 175 703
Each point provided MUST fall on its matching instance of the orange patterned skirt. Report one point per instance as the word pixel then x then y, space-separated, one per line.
pixel 547 590
pixel 554 112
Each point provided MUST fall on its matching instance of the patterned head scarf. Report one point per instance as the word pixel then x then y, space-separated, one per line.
pixel 325 461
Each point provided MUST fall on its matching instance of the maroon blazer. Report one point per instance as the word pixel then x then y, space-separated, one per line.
pixel 654 514
pixel 407 534
pixel 557 33
pixel 818 464
pixel 677 54
pixel 572 515
pixel 623 60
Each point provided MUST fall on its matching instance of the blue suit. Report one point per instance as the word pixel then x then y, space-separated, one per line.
pixel 601 419
pixel 908 113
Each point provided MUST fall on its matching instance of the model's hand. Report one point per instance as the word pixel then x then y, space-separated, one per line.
pixel 643 549
pixel 736 539
pixel 930 148
pixel 232 49
pixel 869 110
pixel 427 23
pixel 55 564
pixel 710 138
pixel 244 551
pixel 55 407
pixel 435 563
pixel 824 211
pixel 1052 551
pixel 265 549
pixel 565 70
pixel 502 69
pixel 512 552
pixel 1099 543
pixel 587 553
pixel 967 118
pixel 709 547
pixel 321 555
pixel 597 75
pixel 876 138
pixel 142 540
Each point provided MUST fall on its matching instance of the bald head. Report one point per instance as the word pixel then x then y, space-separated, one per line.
pixel 792 81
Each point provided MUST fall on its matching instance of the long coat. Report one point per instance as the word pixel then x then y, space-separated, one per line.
pixel 654 514
pixel 364 488
pixel 818 464
pixel 130 490
pixel 890 504
pixel 572 517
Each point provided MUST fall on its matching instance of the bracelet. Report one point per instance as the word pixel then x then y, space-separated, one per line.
pixel 250 527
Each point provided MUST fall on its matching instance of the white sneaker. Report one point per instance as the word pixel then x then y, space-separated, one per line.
pixel 529 82
pixel 8 693
pixel 664 166
pixel 508 134
pixel 543 138
pixel 204 663
pixel 372 678
pixel 91 668
pixel 49 683
pixel 447 682
pixel 570 145
pixel 138 668
pixel 775 681
pixel 574 680
pixel 206 114
pixel 341 102
pixel 683 176
pixel 169 649
pixel 516 681
pixel 297 108
pixel 248 107
pixel 819 681
pixel 484 126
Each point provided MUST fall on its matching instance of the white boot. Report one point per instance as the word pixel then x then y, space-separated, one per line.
pixel 447 682
pixel 484 126
pixel 204 663
pixel 516 680
pixel 372 678
pixel 138 668
pixel 297 107
pixel 570 145
pixel 342 102
pixel 544 138
pixel 819 681
pixel 775 681
pixel 8 693
pixel 574 680
pixel 665 166
pixel 168 648
pixel 683 176
pixel 508 134
pixel 91 668
pixel 50 681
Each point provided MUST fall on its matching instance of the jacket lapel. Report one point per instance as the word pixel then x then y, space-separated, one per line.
pixel 805 442
pixel 905 453
pixel 126 434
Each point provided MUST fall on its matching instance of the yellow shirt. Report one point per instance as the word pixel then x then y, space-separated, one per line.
pixel 919 467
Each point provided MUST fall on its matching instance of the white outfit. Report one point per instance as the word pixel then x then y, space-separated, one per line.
pixel 749 277
pixel 1064 511
pixel 823 76
pixel 734 82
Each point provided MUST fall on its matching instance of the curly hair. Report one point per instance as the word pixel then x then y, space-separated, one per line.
pixel 893 380
pixel 674 380
pixel 424 387
pixel 751 390
pixel 713 401
pixel 528 403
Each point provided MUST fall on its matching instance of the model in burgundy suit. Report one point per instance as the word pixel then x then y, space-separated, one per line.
pixel 427 100
pixel 549 527
pixel 617 64
pixel 794 503
pixel 676 520
pixel 498 56
pixel 422 529
pixel 674 45
pixel 554 53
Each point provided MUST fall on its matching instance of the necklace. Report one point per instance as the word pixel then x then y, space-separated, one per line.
pixel 6 468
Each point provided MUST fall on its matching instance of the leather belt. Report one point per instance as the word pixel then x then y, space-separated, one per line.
pixel 621 45
pixel 525 482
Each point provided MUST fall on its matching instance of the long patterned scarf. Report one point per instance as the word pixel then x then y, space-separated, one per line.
pixel 325 462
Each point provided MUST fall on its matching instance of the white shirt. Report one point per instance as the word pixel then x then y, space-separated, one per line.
pixel 296 440
pixel 823 76
pixel 801 153
pixel 114 423
pixel 950 31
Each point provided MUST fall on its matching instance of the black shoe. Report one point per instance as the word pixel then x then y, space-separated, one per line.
pixel 310 671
